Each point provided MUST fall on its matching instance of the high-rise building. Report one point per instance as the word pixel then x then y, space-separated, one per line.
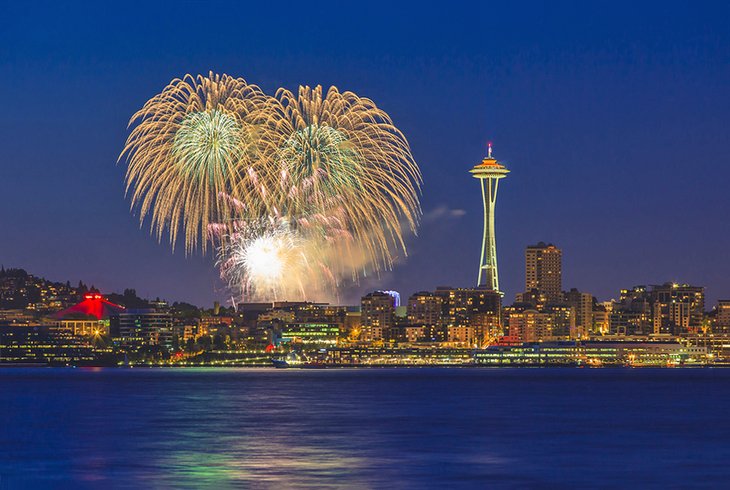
pixel 602 318
pixel 582 303
pixel 377 315
pixel 424 308
pixel 478 308
pixel 632 314
pixel 395 295
pixel 530 325
pixel 489 172
pixel 723 316
pixel 544 270
pixel 533 297
pixel 562 321
pixel 461 304
pixel 677 308
pixel 670 309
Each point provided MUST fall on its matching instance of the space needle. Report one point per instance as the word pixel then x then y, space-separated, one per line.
pixel 489 172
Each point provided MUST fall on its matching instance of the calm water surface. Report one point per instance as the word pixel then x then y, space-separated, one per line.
pixel 379 428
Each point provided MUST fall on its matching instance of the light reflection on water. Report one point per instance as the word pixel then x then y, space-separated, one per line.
pixel 382 428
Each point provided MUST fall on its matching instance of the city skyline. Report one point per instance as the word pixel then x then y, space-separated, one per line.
pixel 364 244
pixel 64 131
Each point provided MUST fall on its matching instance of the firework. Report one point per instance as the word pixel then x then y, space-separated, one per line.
pixel 297 191
pixel 268 259
pixel 191 145
pixel 339 156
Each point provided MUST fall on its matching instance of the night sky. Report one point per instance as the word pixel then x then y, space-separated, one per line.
pixel 612 117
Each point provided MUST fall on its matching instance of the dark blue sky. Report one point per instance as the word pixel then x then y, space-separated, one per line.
pixel 612 117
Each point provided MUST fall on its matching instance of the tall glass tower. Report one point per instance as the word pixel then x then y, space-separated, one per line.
pixel 489 172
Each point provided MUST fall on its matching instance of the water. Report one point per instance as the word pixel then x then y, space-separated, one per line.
pixel 377 428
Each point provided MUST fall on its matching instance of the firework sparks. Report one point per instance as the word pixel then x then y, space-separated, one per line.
pixel 339 154
pixel 266 259
pixel 297 191
pixel 188 147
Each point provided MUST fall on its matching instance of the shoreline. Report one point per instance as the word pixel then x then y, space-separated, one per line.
pixel 361 366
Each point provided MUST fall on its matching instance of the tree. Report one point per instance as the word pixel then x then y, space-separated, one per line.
pixel 219 342
pixel 175 343
pixel 205 342
pixel 190 345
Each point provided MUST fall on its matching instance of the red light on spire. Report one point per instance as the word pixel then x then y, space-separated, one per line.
pixel 489 149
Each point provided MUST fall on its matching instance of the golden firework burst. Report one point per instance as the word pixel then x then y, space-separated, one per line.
pixel 337 154
pixel 211 153
pixel 191 145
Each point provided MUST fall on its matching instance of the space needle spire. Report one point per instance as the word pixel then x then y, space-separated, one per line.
pixel 489 172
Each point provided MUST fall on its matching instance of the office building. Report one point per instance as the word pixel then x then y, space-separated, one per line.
pixel 377 315
pixel 544 270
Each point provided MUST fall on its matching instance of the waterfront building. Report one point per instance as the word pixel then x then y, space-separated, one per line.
pixel 316 312
pixel 594 352
pixel 677 308
pixel 544 270
pixel 530 325
pixel 636 320
pixel 282 316
pixel 408 333
pixel 632 314
pixel 90 317
pixel 722 319
pixel 44 345
pixel 147 326
pixel 413 333
pixel 667 309
pixel 489 172
pixel 582 304
pixel 377 311
pixel 413 355
pixel 488 327
pixel 424 308
pixel 601 318
pixel 248 313
pixel 718 344
pixel 185 332
pixel 84 327
pixel 18 317
pixel 352 324
pixel 462 334
pixel 210 324
pixel 460 305
pixel 470 307
pixel 562 320
pixel 311 334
